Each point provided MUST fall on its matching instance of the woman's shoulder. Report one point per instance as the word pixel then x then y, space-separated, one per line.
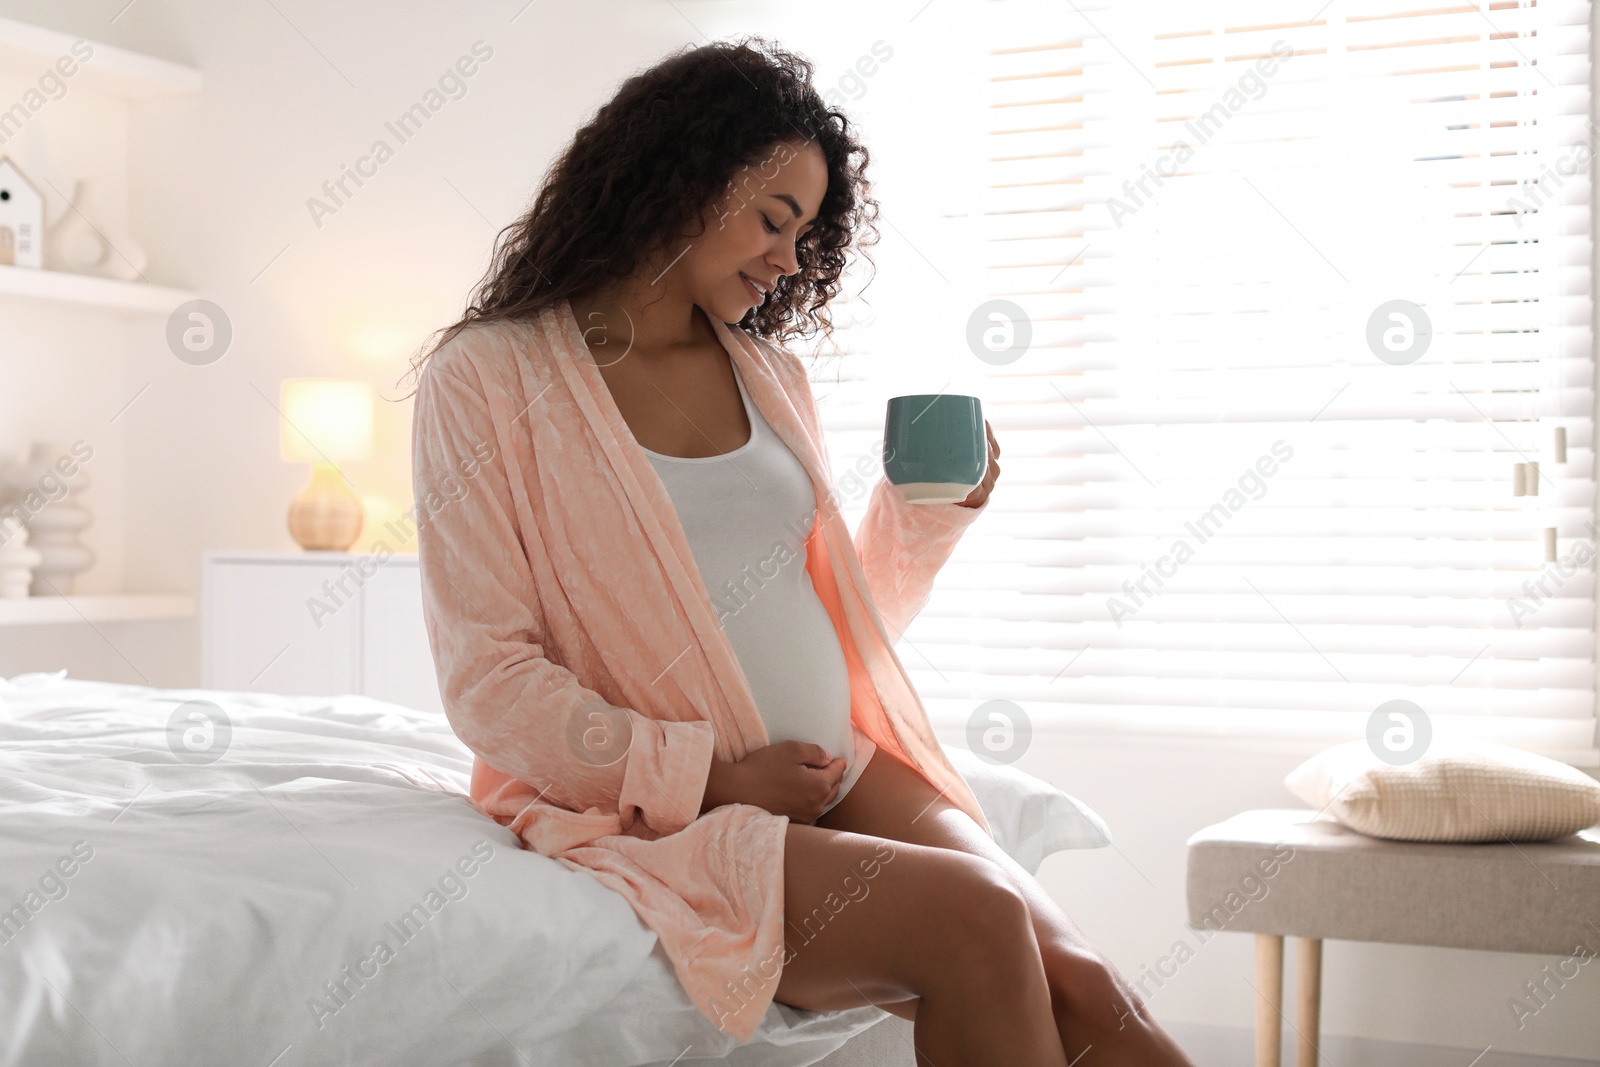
pixel 490 350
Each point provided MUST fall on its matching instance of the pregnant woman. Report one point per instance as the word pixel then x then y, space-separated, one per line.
pixel 671 658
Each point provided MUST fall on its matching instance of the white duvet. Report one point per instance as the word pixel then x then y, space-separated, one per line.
pixel 303 881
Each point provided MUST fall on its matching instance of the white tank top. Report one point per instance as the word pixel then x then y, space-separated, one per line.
pixel 747 514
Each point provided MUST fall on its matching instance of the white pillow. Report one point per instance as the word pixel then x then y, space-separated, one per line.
pixel 1462 790
pixel 1030 817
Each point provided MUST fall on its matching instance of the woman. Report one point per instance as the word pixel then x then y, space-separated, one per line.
pixel 754 773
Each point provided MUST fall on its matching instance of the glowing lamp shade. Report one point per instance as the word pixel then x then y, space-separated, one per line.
pixel 325 422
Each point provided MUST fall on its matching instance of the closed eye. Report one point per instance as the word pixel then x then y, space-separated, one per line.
pixel 768 222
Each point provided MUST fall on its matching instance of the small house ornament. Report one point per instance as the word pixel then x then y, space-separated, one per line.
pixel 21 218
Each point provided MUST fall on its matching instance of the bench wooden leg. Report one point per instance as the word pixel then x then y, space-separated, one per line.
pixel 1269 1000
pixel 1308 1001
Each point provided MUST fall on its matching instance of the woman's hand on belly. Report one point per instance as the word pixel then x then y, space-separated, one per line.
pixel 791 778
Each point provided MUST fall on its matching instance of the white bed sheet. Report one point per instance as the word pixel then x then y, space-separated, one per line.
pixel 177 913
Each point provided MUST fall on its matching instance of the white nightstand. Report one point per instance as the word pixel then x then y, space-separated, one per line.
pixel 316 623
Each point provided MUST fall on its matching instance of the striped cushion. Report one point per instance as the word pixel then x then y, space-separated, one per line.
pixel 1466 790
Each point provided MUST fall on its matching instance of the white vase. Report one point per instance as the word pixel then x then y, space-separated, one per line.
pixel 17 560
pixel 53 526
pixel 82 240
pixel 71 242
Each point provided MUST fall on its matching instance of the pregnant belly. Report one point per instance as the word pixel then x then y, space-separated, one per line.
pixel 796 669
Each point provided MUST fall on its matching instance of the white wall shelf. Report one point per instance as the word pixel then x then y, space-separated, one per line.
pixel 110 70
pixel 130 607
pixel 127 78
pixel 109 293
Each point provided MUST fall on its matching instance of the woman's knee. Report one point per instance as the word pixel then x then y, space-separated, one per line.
pixel 985 916
pixel 1085 983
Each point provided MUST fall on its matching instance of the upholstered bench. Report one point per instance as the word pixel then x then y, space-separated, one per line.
pixel 1291 874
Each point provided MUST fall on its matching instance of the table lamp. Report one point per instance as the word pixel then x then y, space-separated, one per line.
pixel 324 423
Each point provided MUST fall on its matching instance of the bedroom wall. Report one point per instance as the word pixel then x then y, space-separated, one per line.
pixel 217 192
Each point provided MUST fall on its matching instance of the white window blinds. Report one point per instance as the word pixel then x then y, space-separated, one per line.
pixel 1305 295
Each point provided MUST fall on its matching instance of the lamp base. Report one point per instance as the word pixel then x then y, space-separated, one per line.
pixel 325 516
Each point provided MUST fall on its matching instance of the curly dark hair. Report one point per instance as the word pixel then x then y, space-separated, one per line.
pixel 653 160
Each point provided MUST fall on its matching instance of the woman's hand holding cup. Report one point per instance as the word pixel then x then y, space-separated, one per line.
pixel 939 449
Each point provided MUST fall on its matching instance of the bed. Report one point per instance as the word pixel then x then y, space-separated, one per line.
pixel 206 876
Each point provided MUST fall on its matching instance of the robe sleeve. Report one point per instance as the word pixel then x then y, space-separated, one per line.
pixel 520 712
pixel 902 546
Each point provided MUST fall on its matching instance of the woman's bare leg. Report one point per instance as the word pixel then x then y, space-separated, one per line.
pixel 870 921
pixel 1099 1016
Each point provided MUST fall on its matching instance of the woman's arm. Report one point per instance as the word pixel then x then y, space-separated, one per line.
pixel 520 712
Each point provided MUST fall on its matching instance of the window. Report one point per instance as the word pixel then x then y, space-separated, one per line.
pixel 1302 297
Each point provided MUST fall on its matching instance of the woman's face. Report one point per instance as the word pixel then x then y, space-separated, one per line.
pixel 750 231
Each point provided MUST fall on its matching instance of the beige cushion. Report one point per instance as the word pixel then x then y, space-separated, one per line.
pixel 1464 790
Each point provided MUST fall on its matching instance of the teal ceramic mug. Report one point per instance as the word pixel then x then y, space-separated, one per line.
pixel 935 450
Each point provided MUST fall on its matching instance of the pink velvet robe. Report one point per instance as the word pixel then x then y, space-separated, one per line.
pixel 579 654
